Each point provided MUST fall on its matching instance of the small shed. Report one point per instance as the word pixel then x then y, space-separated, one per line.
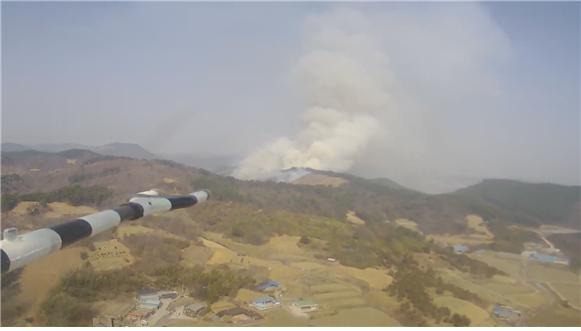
pixel 460 249
pixel 195 309
pixel 168 294
pixel 305 305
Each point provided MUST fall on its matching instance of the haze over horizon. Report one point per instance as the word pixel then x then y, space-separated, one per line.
pixel 431 95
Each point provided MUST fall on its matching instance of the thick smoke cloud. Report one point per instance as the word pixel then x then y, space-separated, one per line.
pixel 389 93
pixel 344 78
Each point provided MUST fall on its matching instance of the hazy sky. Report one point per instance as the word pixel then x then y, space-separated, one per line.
pixel 475 90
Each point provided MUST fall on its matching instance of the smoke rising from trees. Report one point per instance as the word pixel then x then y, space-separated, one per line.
pixel 344 78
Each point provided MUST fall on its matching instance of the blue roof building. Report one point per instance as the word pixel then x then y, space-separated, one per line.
pixel 263 303
pixel 543 258
pixel 505 313
pixel 268 285
pixel 460 249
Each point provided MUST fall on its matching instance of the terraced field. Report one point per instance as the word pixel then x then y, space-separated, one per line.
pixel 337 289
pixel 494 290
pixel 361 316
pixel 523 287
pixel 336 296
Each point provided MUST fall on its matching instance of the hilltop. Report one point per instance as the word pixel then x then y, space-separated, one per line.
pixel 114 149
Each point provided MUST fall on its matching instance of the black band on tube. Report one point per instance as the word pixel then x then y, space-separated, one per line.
pixel 73 231
pixel 182 202
pixel 129 211
pixel 5 262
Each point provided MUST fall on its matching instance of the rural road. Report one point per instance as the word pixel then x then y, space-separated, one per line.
pixel 160 313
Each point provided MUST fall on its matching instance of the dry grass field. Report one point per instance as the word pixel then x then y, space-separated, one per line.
pixel 572 292
pixel 127 229
pixel 353 218
pixel 40 277
pixel 52 209
pixel 480 234
pixel 24 208
pixel 408 224
pixel 361 316
pixel 477 224
pixel 220 254
pixel 375 278
pixel 282 317
pixel 552 273
pixel 195 255
pixel 110 255
pixel 118 307
pixel 477 315
pixel 62 209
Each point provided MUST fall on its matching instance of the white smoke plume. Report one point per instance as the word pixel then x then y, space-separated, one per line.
pixel 344 77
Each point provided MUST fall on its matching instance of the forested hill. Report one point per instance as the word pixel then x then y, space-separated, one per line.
pixel 526 203
pixel 375 201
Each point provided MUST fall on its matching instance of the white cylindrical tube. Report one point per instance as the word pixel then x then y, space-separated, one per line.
pixel 19 250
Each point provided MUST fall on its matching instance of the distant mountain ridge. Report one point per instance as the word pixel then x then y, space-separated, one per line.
pixel 113 149
pixel 527 203
pixel 375 200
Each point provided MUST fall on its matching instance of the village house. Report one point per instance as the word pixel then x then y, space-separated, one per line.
pixel 544 258
pixel 506 313
pixel 268 286
pixel 305 305
pixel 148 299
pixel 149 303
pixel 264 303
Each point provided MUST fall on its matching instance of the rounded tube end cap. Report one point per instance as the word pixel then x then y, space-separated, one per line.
pixel 201 195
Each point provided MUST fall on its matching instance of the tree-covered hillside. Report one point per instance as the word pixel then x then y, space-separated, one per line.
pixel 526 203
